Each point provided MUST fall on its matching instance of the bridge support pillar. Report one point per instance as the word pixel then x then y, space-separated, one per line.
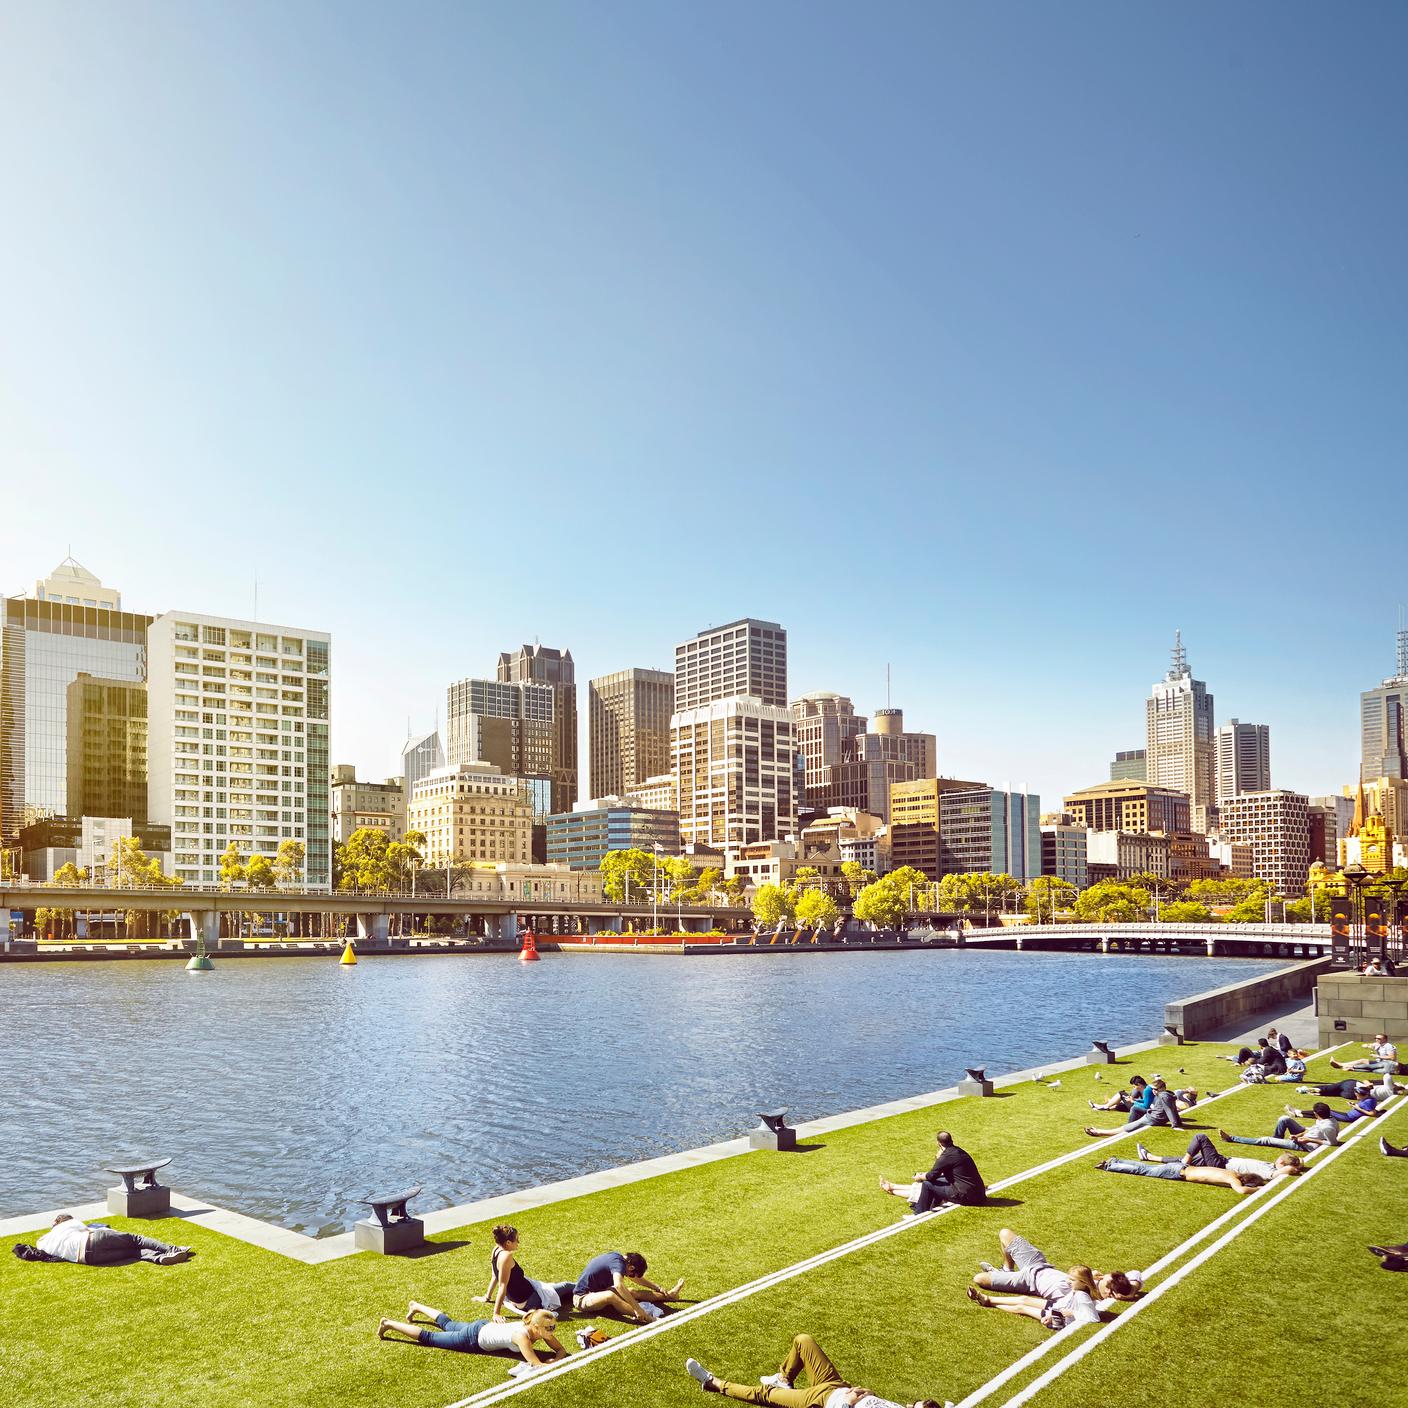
pixel 1105 944
pixel 503 929
pixel 206 925
pixel 1019 945
pixel 374 927
pixel 1212 948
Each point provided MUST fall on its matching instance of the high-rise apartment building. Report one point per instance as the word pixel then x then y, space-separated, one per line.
pixel 1131 765
pixel 107 749
pixel 72 625
pixel 542 665
pixel 733 760
pixel 1276 824
pixel 1179 747
pixel 1383 723
pixel 743 658
pixel 375 806
pixel 731 736
pixel 1243 759
pixel 916 821
pixel 471 812
pixel 628 729
pixel 238 715
pixel 1136 807
pixel 985 830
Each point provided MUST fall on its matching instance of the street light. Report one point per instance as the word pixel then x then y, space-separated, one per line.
pixel 1356 877
pixel 655 888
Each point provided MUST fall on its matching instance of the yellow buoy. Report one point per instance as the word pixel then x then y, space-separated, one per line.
pixel 349 956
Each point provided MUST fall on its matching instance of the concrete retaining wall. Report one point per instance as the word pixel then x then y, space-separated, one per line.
pixel 1365 1006
pixel 1208 1011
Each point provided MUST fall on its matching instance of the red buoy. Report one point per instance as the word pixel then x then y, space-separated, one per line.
pixel 529 952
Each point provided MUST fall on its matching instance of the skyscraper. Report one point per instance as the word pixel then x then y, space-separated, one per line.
pixel 107 749
pixel 71 625
pixel 1382 724
pixel 1243 759
pixel 1179 748
pixel 822 722
pixel 731 736
pixel 420 757
pixel 540 664
pixel 510 724
pixel 745 657
pixel 628 729
pixel 238 741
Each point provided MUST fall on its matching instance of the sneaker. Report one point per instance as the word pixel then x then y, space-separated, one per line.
pixel 1304 1090
pixel 173 1257
pixel 696 1370
pixel 1291 1110
pixel 1226 1138
pixel 986 1266
pixel 1103 1165
pixel 1144 1154
pixel 775 1381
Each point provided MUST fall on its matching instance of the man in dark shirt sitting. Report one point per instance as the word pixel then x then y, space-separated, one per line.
pixel 954 1178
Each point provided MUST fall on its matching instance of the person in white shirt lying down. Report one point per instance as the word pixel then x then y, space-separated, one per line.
pixel 97 1244
pixel 827 1389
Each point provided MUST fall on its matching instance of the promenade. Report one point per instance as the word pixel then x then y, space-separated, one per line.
pixel 772 1244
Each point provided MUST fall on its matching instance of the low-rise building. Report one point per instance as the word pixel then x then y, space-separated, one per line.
pixel 1276 824
pixel 380 806
pixel 1129 806
pixel 1064 852
pixel 777 863
pixel 87 842
pixel 983 829
pixel 580 838
pixel 1121 854
pixel 471 812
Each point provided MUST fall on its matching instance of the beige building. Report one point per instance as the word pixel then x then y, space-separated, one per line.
pixel 777 863
pixel 380 806
pixel 471 812
pixel 1276 824
pixel 107 748
pixel 628 729
pixel 655 794
pixel 1180 754
pixel 1128 806
pixel 915 831
pixel 529 884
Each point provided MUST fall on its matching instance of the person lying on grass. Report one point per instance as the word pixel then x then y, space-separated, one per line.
pixel 954 1178
pixel 827 1388
pixel 1203 1164
pixel 1384 1058
pixel 520 1337
pixel 1291 1134
pixel 1030 1285
pixel 510 1284
pixel 1123 1102
pixel 1352 1088
pixel 1163 1110
pixel 602 1288
pixel 1366 1106
pixel 97 1244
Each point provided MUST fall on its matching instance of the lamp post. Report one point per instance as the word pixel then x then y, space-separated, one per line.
pixel 655 889
pixel 1355 876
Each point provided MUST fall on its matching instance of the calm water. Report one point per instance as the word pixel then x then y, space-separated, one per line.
pixel 286 1087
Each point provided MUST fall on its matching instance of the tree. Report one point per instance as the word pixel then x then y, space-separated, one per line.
pixel 774 904
pixel 817 910
pixel 1112 902
pixel 1251 909
pixel 1046 894
pixel 734 887
pixel 882 903
pixel 288 863
pixel 710 881
pixel 856 876
pixel 956 893
pixel 627 875
pixel 1225 891
pixel 259 873
pixel 232 867
pixel 67 877
pixel 1186 912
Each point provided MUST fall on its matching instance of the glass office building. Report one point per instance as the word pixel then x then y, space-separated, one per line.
pixel 44 647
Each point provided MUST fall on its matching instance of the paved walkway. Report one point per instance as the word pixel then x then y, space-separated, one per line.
pixel 1296 1018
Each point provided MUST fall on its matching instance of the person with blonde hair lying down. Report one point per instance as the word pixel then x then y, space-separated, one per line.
pixel 1027 1284
pixel 520 1337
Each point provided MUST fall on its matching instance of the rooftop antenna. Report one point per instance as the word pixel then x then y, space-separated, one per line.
pixel 256 599
pixel 887 684
pixel 1402 647
pixel 1180 657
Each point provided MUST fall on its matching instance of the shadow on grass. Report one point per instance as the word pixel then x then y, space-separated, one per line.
pixel 1002 1202
pixel 807 1148
pixel 430 1249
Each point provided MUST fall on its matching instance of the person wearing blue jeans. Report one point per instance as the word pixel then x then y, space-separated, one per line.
pixel 1203 1164
pixel 1163 1110
pixel 1291 1134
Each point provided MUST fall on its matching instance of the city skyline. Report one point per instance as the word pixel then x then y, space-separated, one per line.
pixel 913 326
pixel 383 745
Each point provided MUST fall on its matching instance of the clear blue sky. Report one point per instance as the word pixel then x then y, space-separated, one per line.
pixel 994 341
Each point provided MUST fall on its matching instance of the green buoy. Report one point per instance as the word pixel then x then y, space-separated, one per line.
pixel 201 962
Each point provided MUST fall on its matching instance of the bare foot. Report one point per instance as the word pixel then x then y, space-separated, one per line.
pixel 674 1291
pixel 886 1186
pixel 381 1329
pixel 978 1298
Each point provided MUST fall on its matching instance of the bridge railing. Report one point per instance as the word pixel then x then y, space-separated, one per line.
pixel 1271 933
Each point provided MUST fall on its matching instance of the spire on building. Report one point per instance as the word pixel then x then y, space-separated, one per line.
pixel 1179 667
pixel 1403 654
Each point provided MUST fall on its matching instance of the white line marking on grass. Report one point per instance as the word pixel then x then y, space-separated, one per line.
pixel 1081 1350
pixel 635 1336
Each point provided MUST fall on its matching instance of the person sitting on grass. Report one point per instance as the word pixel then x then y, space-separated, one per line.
pixel 1123 1102
pixel 1384 1059
pixel 1030 1285
pixel 1163 1110
pixel 827 1389
pixel 1291 1134
pixel 1203 1164
pixel 602 1288
pixel 97 1244
pixel 954 1178
pixel 510 1284
pixel 1295 1070
pixel 520 1337
pixel 1389 1151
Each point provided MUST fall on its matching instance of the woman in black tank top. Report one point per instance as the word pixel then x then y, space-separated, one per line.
pixel 508 1282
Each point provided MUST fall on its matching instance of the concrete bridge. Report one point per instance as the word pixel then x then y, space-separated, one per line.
pixel 1212 940
pixel 493 917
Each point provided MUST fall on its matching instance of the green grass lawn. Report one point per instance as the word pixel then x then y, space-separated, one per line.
pixel 239 1325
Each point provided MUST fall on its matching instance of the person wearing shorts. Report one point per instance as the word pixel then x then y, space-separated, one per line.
pixel 1060 1297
